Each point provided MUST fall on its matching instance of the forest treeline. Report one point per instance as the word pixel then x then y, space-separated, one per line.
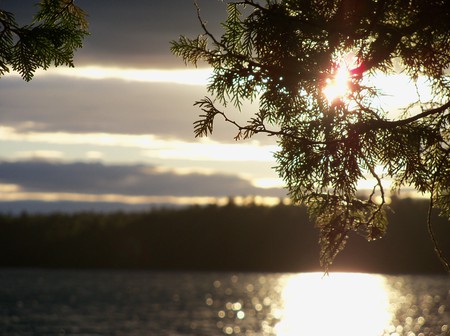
pixel 227 238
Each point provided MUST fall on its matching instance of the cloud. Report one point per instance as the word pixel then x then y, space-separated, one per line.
pixel 133 32
pixel 120 101
pixel 129 49
pixel 113 106
pixel 174 76
pixel 40 154
pixel 128 180
pixel 139 32
pixel 151 146
pixel 67 104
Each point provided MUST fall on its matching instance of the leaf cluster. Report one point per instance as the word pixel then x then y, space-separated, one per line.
pixel 281 53
pixel 58 29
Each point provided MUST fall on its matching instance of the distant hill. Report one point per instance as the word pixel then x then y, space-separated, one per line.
pixel 229 238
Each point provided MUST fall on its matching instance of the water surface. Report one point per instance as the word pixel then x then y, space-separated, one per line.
pixel 69 302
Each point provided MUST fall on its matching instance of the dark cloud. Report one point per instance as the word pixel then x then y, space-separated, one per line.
pixel 65 104
pixel 126 34
pixel 113 106
pixel 134 32
pixel 131 180
pixel 139 32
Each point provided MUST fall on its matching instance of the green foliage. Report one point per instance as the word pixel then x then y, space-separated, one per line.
pixel 58 29
pixel 282 53
pixel 336 219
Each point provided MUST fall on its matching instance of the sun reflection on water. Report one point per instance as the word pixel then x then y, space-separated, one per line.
pixel 340 304
pixel 336 304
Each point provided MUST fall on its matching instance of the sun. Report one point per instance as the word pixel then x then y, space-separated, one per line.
pixel 338 86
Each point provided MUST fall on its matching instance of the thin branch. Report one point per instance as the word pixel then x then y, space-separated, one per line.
pixel 363 127
pixel 202 23
pixel 63 9
pixel 380 185
pixel 262 129
pixel 403 122
pixel 254 4
pixel 371 126
pixel 8 26
pixel 227 51
pixel 436 247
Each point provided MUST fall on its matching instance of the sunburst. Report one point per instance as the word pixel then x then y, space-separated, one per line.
pixel 338 86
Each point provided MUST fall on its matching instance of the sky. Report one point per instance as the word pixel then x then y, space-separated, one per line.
pixel 119 126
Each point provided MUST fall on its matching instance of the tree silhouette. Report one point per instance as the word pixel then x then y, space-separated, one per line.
pixel 284 55
pixel 58 29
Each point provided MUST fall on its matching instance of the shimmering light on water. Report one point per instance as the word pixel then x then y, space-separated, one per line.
pixel 132 303
pixel 337 304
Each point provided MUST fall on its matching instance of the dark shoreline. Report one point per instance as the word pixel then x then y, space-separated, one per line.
pixel 223 239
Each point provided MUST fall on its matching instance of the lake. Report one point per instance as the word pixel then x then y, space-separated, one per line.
pixel 101 302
